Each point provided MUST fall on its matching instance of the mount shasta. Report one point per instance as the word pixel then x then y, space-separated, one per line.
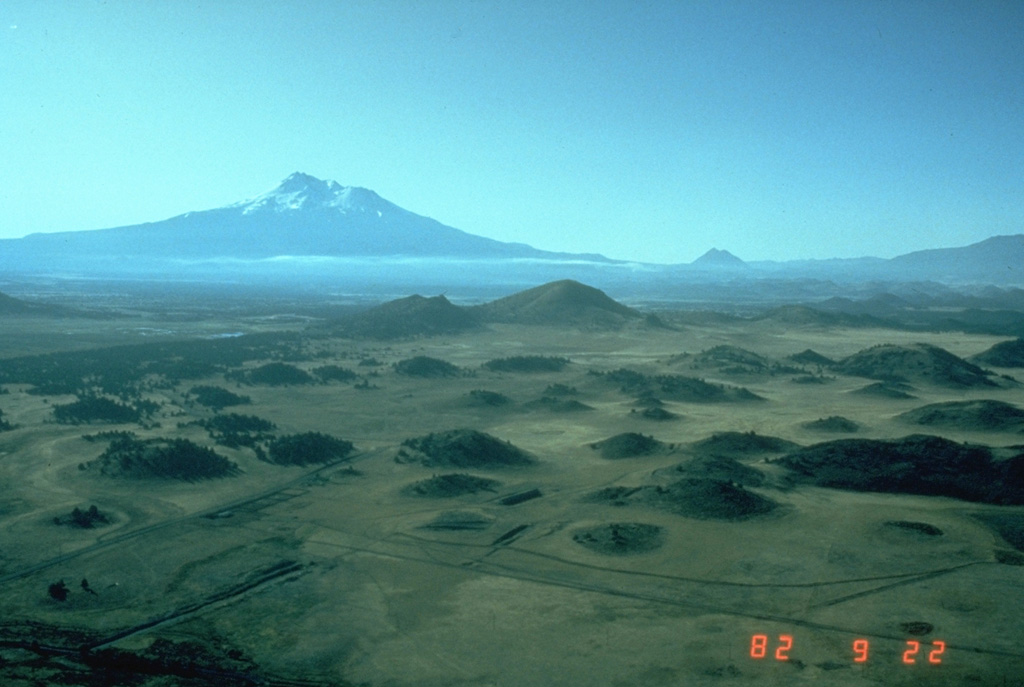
pixel 303 216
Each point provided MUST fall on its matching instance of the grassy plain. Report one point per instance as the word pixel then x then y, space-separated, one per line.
pixel 333 576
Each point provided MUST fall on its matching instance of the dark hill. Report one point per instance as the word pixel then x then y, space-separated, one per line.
pixel 464 448
pixel 919 362
pixel 882 305
pixel 891 390
pixel 10 306
pixel 425 366
pixel 628 445
pixel 559 303
pixel 833 423
pixel 450 485
pixel 918 464
pixel 408 317
pixel 676 387
pixel 971 415
pixel 811 357
pixel 14 306
pixel 714 467
pixel 162 459
pixel 692 497
pixel 741 443
pixel 802 315
pixel 733 359
pixel 1003 354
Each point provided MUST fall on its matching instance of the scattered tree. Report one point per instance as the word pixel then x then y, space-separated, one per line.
pixel 59 591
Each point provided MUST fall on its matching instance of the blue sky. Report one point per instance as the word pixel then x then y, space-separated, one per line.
pixel 648 131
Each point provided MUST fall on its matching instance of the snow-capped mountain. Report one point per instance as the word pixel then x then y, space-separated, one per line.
pixel 301 191
pixel 302 216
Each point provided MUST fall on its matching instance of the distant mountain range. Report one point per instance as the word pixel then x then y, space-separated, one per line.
pixel 314 230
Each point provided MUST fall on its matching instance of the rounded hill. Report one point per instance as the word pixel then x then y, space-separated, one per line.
pixel 692 497
pixel 741 443
pixel 734 359
pixel 981 414
pixel 1003 354
pixel 463 448
pixel 559 303
pixel 917 464
pixel 919 362
pixel 627 445
pixel 408 317
pixel 832 423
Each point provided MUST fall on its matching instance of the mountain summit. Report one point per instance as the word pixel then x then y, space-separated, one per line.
pixel 304 192
pixel 718 259
pixel 563 302
pixel 302 216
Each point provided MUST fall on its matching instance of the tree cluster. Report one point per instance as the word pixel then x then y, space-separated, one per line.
pixel 425 366
pixel 217 398
pixel 308 448
pixel 100 409
pixel 234 430
pixel 917 464
pixel 85 519
pixel 527 363
pixel 163 458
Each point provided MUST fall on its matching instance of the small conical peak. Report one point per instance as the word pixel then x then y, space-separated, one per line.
pixel 718 258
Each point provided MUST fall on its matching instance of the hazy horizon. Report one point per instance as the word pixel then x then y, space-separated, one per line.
pixel 649 131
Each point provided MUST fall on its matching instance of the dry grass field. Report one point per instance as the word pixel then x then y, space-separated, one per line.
pixel 576 568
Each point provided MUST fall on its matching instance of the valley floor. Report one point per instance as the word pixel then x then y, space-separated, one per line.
pixel 339 573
